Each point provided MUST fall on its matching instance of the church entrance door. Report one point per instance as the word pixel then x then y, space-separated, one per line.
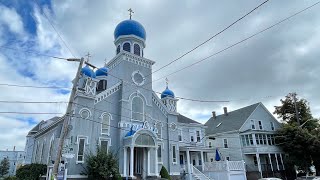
pixel 140 170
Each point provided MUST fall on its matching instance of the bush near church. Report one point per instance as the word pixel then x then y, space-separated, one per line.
pixel 102 166
pixel 164 173
pixel 31 171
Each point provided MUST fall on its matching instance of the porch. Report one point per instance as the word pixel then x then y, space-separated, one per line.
pixel 264 165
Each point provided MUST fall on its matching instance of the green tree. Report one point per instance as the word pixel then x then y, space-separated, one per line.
pixel 31 171
pixel 102 165
pixel 164 173
pixel 300 141
pixel 287 113
pixel 4 167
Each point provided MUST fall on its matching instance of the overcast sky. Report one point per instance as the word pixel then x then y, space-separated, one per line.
pixel 263 69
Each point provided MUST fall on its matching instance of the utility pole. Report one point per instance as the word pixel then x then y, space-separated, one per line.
pixel 295 107
pixel 67 118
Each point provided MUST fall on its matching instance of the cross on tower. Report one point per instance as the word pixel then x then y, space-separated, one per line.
pixel 130 12
pixel 88 56
pixel 167 82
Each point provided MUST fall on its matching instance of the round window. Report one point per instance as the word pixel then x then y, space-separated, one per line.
pixel 84 113
pixel 138 78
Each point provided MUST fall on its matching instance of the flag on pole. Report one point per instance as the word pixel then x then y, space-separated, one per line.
pixel 218 158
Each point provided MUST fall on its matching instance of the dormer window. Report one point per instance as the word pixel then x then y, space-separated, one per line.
pixel 118 49
pixel 136 49
pixel 126 47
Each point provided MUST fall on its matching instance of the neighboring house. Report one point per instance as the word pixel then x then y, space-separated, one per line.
pixel 121 113
pixel 247 134
pixel 16 159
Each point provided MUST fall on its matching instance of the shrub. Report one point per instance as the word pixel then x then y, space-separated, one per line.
pixel 164 173
pixel 31 171
pixel 10 178
pixel 102 166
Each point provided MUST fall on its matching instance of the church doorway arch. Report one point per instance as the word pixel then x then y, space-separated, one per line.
pixel 141 149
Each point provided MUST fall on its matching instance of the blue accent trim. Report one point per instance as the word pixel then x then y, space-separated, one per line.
pixel 130 27
pixel 130 133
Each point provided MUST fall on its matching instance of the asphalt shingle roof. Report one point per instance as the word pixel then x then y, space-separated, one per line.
pixel 233 121
pixel 186 120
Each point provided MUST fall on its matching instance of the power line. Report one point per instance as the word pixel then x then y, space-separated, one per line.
pixel 32 52
pixel 33 102
pixel 45 15
pixel 239 42
pixel 17 112
pixel 210 37
pixel 30 86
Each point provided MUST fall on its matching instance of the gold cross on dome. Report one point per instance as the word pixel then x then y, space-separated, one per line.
pixel 130 12
pixel 88 56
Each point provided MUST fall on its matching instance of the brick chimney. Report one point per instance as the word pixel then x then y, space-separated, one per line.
pixel 225 110
pixel 214 114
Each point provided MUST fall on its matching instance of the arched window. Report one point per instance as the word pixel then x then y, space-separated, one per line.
pixel 118 49
pixel 105 124
pixel 126 47
pixel 137 108
pixel 144 140
pixel 136 49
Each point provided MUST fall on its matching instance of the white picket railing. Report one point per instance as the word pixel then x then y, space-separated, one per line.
pixel 198 174
pixel 224 166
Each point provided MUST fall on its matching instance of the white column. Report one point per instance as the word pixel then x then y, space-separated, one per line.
pixel 188 164
pixel 282 162
pixel 270 162
pixel 277 162
pixel 148 164
pixel 202 161
pixel 125 161
pixel 131 160
pixel 259 164
pixel 156 161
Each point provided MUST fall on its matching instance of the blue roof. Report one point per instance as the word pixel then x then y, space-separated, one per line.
pixel 167 93
pixel 102 71
pixel 130 27
pixel 88 72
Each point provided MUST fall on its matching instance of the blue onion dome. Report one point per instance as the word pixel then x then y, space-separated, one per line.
pixel 130 27
pixel 167 93
pixel 102 71
pixel 88 71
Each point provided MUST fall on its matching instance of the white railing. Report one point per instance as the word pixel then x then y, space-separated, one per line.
pixel 198 174
pixel 236 165
pixel 224 166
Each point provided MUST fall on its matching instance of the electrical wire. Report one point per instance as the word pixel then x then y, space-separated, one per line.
pixel 206 41
pixel 63 41
pixel 237 43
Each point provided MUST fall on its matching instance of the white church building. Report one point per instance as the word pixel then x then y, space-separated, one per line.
pixel 116 108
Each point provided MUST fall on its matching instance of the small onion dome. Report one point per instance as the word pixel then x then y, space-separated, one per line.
pixel 130 133
pixel 102 71
pixel 88 72
pixel 167 93
pixel 130 27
